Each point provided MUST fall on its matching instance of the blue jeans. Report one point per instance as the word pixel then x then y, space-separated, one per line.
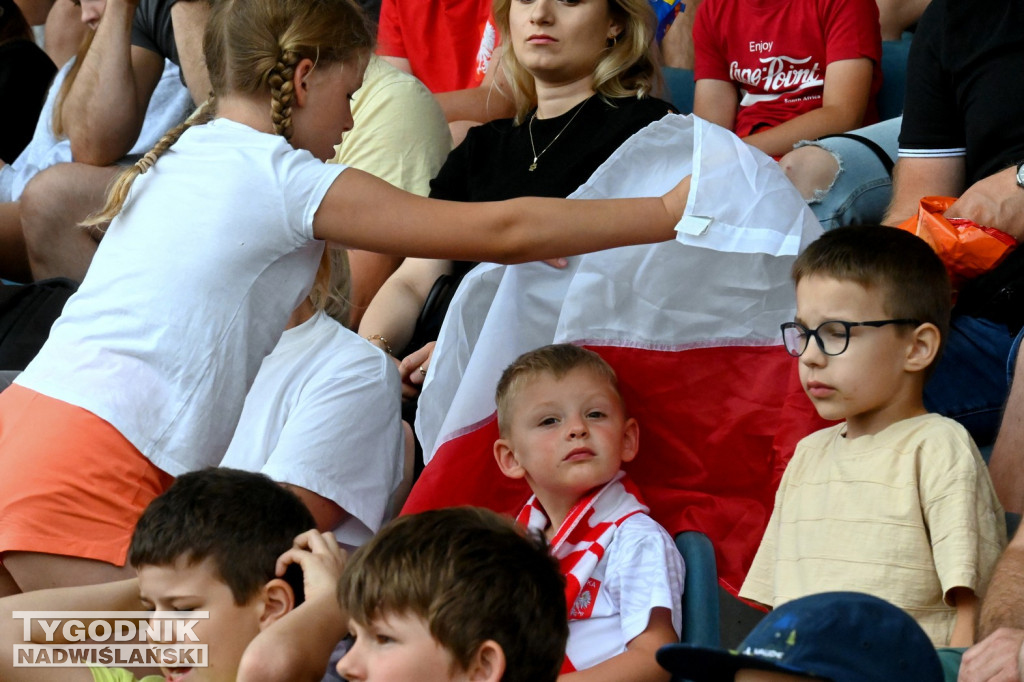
pixel 861 190
pixel 970 383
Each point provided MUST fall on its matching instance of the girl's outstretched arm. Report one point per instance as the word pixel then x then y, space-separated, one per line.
pixel 363 212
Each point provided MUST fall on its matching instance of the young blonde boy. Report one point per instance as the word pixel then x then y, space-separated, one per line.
pixel 564 429
pixel 893 501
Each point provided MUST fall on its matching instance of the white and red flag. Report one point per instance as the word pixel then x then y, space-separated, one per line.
pixel 691 327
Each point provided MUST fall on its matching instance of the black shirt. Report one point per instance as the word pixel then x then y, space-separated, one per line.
pixel 493 162
pixel 964 90
pixel 25 76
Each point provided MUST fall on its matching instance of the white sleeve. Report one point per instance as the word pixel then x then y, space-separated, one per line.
pixel 648 573
pixel 304 180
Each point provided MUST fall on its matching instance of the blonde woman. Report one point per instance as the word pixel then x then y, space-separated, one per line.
pixel 581 73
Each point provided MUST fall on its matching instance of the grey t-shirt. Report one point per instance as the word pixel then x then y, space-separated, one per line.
pixel 152 30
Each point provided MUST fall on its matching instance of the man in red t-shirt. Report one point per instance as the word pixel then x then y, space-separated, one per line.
pixel 779 71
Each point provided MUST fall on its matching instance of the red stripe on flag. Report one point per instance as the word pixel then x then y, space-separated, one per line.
pixel 717 427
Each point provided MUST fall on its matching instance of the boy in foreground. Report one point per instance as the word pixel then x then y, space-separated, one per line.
pixel 893 501
pixel 220 541
pixel 453 595
pixel 224 541
pixel 564 429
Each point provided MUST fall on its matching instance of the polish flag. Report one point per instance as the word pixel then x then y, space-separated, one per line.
pixel 691 327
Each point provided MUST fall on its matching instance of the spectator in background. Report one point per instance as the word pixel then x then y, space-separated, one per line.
pixel 50 144
pixel 450 46
pixel 581 75
pixel 778 73
pixel 399 135
pixel 62 196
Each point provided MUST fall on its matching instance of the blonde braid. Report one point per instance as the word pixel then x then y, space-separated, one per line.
pixel 282 92
pixel 118 192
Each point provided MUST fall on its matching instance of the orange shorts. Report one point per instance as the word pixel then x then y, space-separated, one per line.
pixel 70 483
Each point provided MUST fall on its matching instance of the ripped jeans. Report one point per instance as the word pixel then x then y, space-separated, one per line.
pixel 862 188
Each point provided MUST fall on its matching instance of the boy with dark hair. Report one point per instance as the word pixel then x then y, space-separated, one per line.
pixel 893 501
pixel 564 429
pixel 218 541
pixel 445 596
pixel 457 593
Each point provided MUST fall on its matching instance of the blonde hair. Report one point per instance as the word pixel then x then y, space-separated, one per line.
pixel 555 360
pixel 332 284
pixel 251 47
pixel 627 68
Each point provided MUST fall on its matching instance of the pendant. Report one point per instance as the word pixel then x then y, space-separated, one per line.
pixel 533 166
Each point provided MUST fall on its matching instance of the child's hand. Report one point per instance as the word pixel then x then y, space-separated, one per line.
pixel 321 561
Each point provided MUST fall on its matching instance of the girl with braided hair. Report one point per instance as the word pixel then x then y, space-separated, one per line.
pixel 215 238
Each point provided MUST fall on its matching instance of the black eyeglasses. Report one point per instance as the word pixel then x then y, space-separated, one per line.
pixel 833 336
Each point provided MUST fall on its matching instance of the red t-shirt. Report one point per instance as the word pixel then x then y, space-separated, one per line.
pixel 776 52
pixel 448 42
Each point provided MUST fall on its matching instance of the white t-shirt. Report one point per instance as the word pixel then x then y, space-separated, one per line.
pixel 168 107
pixel 325 414
pixel 641 570
pixel 189 290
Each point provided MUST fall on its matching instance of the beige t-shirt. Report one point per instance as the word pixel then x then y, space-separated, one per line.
pixel 907 515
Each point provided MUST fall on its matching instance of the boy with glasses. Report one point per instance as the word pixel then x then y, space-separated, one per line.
pixel 893 501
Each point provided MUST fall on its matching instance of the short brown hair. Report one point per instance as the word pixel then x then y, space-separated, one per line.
pixel 473 576
pixel 557 360
pixel 906 272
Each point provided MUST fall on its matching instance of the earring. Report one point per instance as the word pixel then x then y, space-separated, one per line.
pixel 613 40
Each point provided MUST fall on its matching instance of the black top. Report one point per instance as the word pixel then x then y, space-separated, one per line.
pixel 25 76
pixel 492 162
pixel 963 83
pixel 963 90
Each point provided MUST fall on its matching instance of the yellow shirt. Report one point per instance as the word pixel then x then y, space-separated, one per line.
pixel 907 515
pixel 120 675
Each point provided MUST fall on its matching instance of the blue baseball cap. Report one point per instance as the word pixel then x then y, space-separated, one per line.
pixel 837 636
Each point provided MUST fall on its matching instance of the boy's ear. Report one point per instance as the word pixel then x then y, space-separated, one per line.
pixel 630 439
pixel 506 458
pixel 302 71
pixel 488 664
pixel 923 348
pixel 278 600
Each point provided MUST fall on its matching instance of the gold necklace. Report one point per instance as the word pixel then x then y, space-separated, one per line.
pixel 529 129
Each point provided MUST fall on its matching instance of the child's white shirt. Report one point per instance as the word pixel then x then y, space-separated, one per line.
pixel 189 290
pixel 641 570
